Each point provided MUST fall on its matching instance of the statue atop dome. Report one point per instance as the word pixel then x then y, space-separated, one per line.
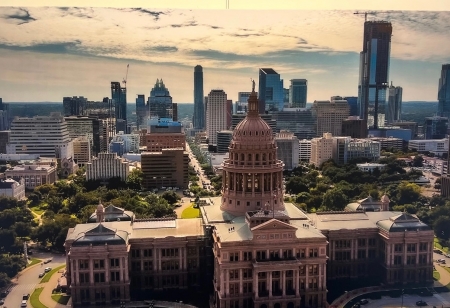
pixel 253 84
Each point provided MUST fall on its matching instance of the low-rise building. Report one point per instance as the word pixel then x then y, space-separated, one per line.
pixel 33 174
pixel 12 189
pixel 435 146
pixel 370 167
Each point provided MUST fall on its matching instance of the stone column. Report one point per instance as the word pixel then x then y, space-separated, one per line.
pixel 159 259
pixel 253 183
pixel 125 269
pixel 283 282
pixel 255 284
pixel 91 271
pixel 121 268
pixel 180 253
pixel 75 273
pixel 307 277
pixel 107 278
pixel 241 284
pixel 222 282
pixel 270 283
pixel 320 280
pixel 227 282
pixel 297 283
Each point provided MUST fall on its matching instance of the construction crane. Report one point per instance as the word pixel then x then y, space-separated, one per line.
pixel 126 77
pixel 373 13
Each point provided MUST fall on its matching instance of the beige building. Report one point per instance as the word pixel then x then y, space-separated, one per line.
pixel 216 114
pixel 34 175
pixel 329 116
pixel 321 149
pixel 106 166
pixel 168 167
pixel 81 151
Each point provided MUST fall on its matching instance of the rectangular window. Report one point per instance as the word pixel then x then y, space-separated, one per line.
pixel 234 256
pixel 115 276
pixel 361 254
pixel 84 278
pixel 147 252
pixel 423 247
pixel 398 247
pixel 247 273
pixel 135 253
pixel 99 264
pixel 83 264
pixel 148 265
pixel 99 277
pixel 397 260
pixel 247 255
pixel 361 242
pixel 114 262
pixel 234 274
pixel 411 248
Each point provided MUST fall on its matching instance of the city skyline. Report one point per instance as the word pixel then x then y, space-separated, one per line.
pixel 48 53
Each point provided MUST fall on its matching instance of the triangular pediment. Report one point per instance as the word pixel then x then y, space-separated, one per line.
pixel 274 224
pixel 100 229
pixel 113 209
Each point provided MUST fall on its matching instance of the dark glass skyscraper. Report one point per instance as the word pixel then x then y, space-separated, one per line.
pixel 160 102
pixel 199 108
pixel 298 93
pixel 119 95
pixel 374 70
pixel 141 111
pixel 444 91
pixel 394 110
pixel 270 92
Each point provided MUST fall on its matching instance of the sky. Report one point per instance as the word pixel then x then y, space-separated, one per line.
pixel 68 48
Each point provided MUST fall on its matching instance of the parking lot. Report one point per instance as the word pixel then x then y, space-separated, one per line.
pixel 408 300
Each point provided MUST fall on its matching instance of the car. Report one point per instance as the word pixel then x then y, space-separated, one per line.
pixel 41 275
pixel 178 205
pixel 47 261
pixel 47 269
pixel 441 261
pixel 25 296
pixel 363 301
pixel 2 302
pixel 23 304
pixel 4 294
pixel 421 303
pixel 439 252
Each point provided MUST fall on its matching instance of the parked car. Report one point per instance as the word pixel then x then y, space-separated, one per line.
pixel 363 301
pixel 2 301
pixel 23 304
pixel 25 296
pixel 4 293
pixel 41 275
pixel 47 261
pixel 47 269
pixel 442 261
pixel 421 303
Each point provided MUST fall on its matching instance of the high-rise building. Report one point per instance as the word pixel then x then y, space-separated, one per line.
pixel 394 110
pixel 444 91
pixel 329 116
pixel 4 115
pixel 435 127
pixel 298 91
pixel 353 103
pixel 106 166
pixel 354 127
pixel 216 114
pixel 141 111
pixel 74 106
pixel 119 97
pixel 287 149
pixel 224 138
pixel 271 92
pixel 160 102
pixel 374 70
pixel 321 149
pixel 47 136
pixel 199 108
pixel 299 121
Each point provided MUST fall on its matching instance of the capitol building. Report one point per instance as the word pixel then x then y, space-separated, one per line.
pixel 249 248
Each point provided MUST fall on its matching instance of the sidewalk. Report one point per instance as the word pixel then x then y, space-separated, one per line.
pixel 46 295
pixel 445 275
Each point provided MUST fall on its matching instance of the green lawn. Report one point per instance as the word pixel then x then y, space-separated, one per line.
pixel 47 276
pixel 190 212
pixel 439 246
pixel 436 275
pixel 37 210
pixel 34 261
pixel 61 298
pixel 34 299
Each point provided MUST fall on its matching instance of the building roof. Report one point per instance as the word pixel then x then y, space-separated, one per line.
pixel 98 234
pixel 402 222
pixel 7 183
pixel 113 213
pixel 269 71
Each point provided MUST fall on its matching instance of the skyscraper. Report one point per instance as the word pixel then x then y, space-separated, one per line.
pixel 119 96
pixel 329 115
pixel 199 109
pixel 4 115
pixel 374 70
pixel 394 110
pixel 160 102
pixel 298 93
pixel 74 106
pixel 141 111
pixel 444 91
pixel 216 114
pixel 271 92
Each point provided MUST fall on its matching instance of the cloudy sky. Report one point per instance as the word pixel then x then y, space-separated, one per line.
pixel 48 52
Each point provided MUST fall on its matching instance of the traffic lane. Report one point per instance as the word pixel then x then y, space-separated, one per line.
pixel 27 280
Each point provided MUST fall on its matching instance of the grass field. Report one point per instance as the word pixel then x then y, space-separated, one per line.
pixel 439 246
pixel 34 261
pixel 47 276
pixel 34 299
pixel 61 298
pixel 436 275
pixel 37 210
pixel 190 212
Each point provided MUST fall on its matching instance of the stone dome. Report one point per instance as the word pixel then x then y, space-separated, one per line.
pixel 385 199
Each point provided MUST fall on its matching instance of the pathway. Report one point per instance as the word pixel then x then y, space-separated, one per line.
pixel 46 295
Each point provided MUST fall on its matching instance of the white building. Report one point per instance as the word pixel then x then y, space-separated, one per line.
pixel 216 114
pixel 321 149
pixel 435 146
pixel 287 149
pixel 43 135
pixel 106 166
pixel 130 141
pixel 304 150
pixel 345 149
pixel 13 189
pixel 370 167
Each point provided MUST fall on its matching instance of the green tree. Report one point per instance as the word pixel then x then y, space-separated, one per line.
pixel 334 200
pixel 134 179
pixel 171 196
pixel 407 193
pixel 442 227
pixel 296 185
pixel 417 161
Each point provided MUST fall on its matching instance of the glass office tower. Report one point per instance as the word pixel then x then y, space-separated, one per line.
pixel 119 96
pixel 270 92
pixel 374 71
pixel 444 91
pixel 298 91
pixel 199 108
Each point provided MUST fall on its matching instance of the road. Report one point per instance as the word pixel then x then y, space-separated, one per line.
pixel 194 162
pixel 28 279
